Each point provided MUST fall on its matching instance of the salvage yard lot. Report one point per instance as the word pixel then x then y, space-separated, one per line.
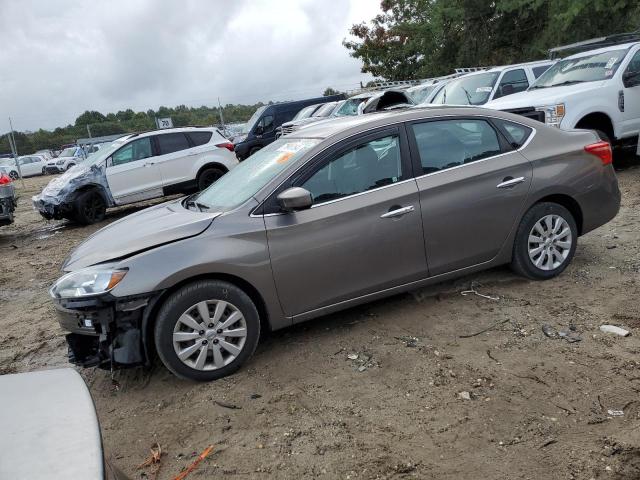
pixel 386 390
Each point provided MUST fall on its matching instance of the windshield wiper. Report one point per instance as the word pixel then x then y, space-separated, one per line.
pixel 561 84
pixel 467 94
pixel 190 202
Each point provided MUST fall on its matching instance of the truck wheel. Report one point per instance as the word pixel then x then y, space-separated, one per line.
pixel 89 208
pixel 545 241
pixel 206 330
pixel 208 177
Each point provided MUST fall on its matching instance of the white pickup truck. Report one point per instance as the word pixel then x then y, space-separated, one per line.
pixel 597 89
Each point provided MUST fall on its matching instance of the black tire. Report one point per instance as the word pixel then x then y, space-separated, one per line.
pixel 14 175
pixel 181 302
pixel 71 165
pixel 208 177
pixel 90 207
pixel 522 263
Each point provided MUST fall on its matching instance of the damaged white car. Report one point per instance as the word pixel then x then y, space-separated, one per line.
pixel 137 167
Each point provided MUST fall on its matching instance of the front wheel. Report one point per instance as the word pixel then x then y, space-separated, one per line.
pixel 545 241
pixel 206 330
pixel 90 207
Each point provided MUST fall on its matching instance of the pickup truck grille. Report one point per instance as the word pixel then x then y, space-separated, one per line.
pixel 529 113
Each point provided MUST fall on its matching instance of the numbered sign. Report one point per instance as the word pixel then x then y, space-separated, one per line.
pixel 165 122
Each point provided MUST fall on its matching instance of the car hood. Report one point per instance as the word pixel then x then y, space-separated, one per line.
pixel 542 96
pixel 149 228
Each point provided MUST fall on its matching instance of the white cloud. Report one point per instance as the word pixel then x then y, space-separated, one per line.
pixel 62 58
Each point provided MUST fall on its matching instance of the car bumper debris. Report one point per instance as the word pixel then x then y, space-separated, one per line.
pixel 106 332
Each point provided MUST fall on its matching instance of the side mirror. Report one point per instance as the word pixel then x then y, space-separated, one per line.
pixel 631 79
pixel 295 198
pixel 507 89
pixel 109 162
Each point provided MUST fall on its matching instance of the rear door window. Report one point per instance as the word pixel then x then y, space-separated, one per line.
pixel 445 144
pixel 172 142
pixel 199 138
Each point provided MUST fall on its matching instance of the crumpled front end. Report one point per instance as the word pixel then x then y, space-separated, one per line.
pixel 7 204
pixel 57 198
pixel 106 332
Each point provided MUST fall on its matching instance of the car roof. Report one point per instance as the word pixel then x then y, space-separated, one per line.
pixel 162 131
pixel 358 123
pixel 610 48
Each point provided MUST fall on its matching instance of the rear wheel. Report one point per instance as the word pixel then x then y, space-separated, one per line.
pixel 206 330
pixel 13 175
pixel 208 177
pixel 545 241
pixel 90 207
pixel 254 150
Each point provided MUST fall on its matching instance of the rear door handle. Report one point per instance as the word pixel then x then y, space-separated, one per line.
pixel 398 212
pixel 148 164
pixel 509 182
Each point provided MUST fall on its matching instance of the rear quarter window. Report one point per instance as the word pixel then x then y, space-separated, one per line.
pixel 517 135
pixel 200 138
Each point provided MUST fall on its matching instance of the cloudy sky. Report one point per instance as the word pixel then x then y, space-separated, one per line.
pixel 60 58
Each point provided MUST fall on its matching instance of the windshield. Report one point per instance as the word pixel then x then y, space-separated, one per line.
pixel 104 152
pixel 325 110
pixel 421 93
pixel 305 112
pixel 350 107
pixel 246 128
pixel 590 68
pixel 68 152
pixel 245 180
pixel 468 90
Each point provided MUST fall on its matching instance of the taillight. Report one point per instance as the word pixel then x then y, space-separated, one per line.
pixel 4 179
pixel 228 145
pixel 602 150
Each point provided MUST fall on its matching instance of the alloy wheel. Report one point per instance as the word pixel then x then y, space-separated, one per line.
pixel 550 242
pixel 209 335
pixel 13 175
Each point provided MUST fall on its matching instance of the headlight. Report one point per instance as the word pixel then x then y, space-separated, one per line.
pixel 553 114
pixel 60 162
pixel 87 283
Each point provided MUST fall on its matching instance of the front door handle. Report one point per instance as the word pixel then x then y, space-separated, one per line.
pixel 398 212
pixel 148 164
pixel 509 182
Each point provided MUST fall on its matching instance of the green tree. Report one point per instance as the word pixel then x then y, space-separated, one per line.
pixel 412 39
pixel 330 91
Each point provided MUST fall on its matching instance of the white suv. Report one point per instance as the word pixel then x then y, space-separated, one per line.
pixel 480 87
pixel 68 158
pixel 138 167
pixel 597 90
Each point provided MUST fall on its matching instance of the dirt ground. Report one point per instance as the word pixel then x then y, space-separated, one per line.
pixel 393 389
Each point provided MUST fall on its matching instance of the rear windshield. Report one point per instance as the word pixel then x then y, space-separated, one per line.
pixel 250 176
pixel 590 68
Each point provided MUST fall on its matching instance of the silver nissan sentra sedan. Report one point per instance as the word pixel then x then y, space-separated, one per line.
pixel 336 214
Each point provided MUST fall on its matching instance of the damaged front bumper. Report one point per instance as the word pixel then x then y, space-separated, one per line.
pixel 106 331
pixel 50 210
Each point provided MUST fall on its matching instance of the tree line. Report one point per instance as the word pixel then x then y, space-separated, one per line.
pixel 413 39
pixel 126 121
